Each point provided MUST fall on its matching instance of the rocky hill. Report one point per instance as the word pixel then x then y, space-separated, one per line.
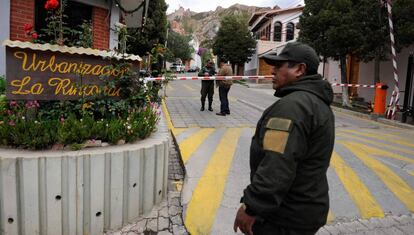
pixel 204 25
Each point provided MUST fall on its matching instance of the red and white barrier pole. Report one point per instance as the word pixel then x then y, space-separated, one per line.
pixel 212 78
pixel 395 98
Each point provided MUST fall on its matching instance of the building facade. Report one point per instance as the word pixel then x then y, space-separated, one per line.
pixel 103 15
pixel 272 30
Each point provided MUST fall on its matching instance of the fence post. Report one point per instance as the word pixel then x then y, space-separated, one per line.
pixel 407 91
pixel 380 98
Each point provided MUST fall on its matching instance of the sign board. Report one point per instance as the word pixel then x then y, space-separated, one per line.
pixel 51 75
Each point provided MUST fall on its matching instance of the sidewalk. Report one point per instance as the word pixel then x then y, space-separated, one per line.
pixel 167 218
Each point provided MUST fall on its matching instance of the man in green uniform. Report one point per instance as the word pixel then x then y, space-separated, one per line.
pixel 207 86
pixel 291 150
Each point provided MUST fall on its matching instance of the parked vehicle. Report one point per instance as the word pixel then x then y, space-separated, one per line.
pixel 177 67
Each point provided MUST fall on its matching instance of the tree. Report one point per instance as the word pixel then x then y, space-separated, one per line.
pixel 376 40
pixel 179 47
pixel 234 41
pixel 154 32
pixel 403 22
pixel 330 27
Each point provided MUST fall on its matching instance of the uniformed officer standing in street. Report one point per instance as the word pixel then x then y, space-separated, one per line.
pixel 291 150
pixel 207 86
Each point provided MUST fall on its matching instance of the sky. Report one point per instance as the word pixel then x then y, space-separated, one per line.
pixel 209 5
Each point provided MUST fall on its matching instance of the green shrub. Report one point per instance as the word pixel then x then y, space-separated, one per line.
pixel 2 85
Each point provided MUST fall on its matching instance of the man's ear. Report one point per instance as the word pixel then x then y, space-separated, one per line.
pixel 300 69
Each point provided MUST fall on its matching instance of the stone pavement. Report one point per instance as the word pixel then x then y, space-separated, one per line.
pixel 390 225
pixel 166 218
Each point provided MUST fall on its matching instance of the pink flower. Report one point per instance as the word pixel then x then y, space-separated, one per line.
pixel 11 123
pixel 28 28
pixel 34 35
pixel 62 119
pixel 13 103
pixel 9 112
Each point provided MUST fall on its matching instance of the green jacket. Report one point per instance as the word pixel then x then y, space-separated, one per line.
pixel 290 154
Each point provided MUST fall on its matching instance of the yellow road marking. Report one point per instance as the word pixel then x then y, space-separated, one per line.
pixel 359 193
pixel 191 143
pixel 331 217
pixel 396 185
pixel 393 147
pixel 167 116
pixel 394 135
pixel 400 142
pixel 208 193
pixel 382 153
pixel 188 87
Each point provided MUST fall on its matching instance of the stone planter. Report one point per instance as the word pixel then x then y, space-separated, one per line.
pixel 82 192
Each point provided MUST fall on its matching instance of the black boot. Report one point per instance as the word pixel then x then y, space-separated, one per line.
pixel 202 106
pixel 210 108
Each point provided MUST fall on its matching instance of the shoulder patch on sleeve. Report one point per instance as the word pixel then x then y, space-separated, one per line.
pixel 280 124
pixel 275 141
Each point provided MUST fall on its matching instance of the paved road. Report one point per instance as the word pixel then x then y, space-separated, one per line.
pixel 371 173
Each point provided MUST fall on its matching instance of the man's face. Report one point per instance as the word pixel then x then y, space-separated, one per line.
pixel 283 75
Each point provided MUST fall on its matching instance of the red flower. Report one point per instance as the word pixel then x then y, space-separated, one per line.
pixel 34 35
pixel 51 4
pixel 13 103
pixel 28 28
pixel 11 123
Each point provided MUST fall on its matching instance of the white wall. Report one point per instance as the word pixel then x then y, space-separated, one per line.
pixel 5 33
pixel 366 75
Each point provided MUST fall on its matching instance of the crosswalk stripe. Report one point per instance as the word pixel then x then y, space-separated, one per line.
pixel 374 132
pixel 400 142
pixel 359 193
pixel 382 153
pixel 396 185
pixel 191 144
pixel 208 193
pixel 388 146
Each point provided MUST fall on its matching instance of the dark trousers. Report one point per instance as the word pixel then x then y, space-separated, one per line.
pixel 224 100
pixel 265 228
pixel 207 89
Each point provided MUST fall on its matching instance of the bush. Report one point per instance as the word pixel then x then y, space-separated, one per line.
pixel 41 124
pixel 24 128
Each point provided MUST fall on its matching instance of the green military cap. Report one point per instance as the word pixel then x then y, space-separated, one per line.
pixel 295 52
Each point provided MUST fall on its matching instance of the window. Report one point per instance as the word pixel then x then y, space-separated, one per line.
pixel 76 13
pixel 277 32
pixel 290 31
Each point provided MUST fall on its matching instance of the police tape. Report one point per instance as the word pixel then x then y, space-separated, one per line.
pixel 206 78
pixel 268 77
pixel 360 85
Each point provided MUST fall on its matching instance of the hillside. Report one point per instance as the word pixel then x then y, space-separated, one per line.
pixel 204 25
